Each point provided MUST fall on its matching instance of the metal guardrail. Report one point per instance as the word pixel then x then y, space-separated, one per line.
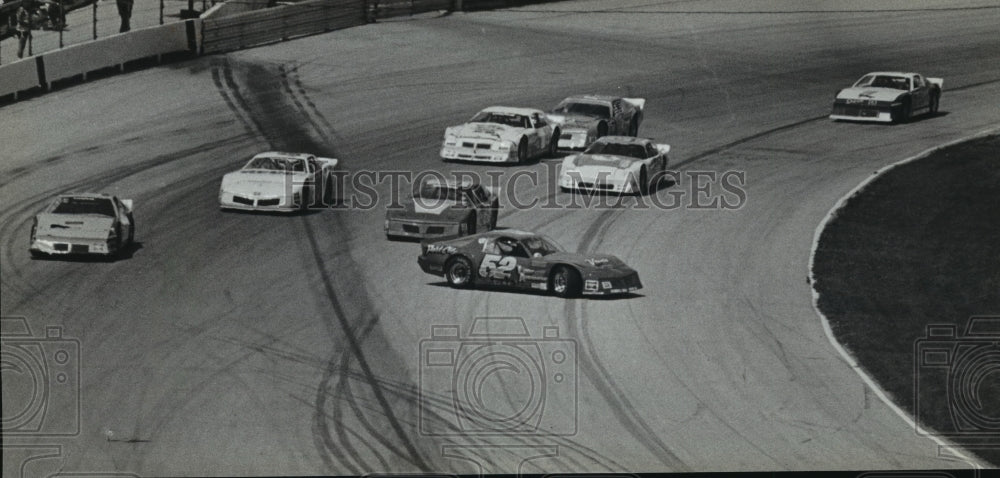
pixel 278 23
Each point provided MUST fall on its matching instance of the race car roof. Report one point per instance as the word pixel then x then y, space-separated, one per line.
pixel 511 110
pixel 623 140
pixel 593 98
pixel 283 154
pixel 464 183
pixel 888 73
pixel 86 195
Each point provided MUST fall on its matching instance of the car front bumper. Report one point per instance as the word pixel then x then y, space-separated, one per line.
pixel 574 140
pixel 228 200
pixel 612 286
pixel 624 185
pixel 421 229
pixel 461 153
pixel 861 112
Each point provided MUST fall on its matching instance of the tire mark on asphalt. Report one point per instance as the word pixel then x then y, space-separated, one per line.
pixel 265 88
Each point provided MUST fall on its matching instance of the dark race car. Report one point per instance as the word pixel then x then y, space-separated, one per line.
pixel 524 260
pixel 444 209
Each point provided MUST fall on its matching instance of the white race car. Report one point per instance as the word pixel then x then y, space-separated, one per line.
pixel 585 118
pixel 501 134
pixel 621 164
pixel 77 224
pixel 275 181
pixel 888 97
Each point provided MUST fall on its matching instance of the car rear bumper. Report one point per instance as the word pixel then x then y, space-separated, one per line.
pixel 575 140
pixel 70 246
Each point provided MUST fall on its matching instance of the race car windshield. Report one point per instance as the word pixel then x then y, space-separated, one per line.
pixel 95 206
pixel 540 245
pixel 587 109
pixel 616 149
pixel 277 164
pixel 883 81
pixel 516 121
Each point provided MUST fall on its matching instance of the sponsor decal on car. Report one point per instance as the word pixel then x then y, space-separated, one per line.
pixel 590 286
pixel 598 262
pixel 441 249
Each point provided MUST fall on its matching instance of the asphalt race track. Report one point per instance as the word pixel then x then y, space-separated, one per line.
pixel 266 344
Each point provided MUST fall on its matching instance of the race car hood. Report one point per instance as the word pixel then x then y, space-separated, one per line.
pixel 262 182
pixel 490 131
pixel 431 210
pixel 606 265
pixel 603 162
pixel 78 226
pixel 869 93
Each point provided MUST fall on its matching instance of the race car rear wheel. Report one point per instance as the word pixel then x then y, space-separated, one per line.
pixel 633 126
pixel 602 129
pixel 554 144
pixel 565 282
pixel 643 186
pixel 494 212
pixel 458 271
pixel 471 223
pixel 935 103
pixel 131 229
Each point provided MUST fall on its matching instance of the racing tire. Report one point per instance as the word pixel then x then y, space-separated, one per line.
pixel 328 193
pixel 902 114
pixel 494 213
pixel 935 103
pixel 554 144
pixel 522 151
pixel 471 224
pixel 565 282
pixel 458 272
pixel 633 126
pixel 131 231
pixel 602 129
pixel 643 186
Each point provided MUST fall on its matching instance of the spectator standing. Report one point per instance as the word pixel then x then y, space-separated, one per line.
pixel 23 18
pixel 125 11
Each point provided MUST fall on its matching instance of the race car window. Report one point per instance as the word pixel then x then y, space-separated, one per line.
pixel 894 82
pixel 587 109
pixel 918 82
pixel 541 246
pixel 516 121
pixel 538 122
pixel 651 152
pixel 864 81
pixel 511 247
pixel 84 205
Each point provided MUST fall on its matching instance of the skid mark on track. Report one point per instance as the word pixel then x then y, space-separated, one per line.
pixel 288 120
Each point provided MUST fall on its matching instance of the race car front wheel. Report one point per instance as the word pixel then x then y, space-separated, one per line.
pixel 459 272
pixel 565 282
pixel 522 151
pixel 554 144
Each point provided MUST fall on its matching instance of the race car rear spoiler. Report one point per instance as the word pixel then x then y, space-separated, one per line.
pixel 638 102
pixel 936 81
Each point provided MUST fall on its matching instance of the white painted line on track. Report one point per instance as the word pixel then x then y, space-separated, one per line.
pixel 874 386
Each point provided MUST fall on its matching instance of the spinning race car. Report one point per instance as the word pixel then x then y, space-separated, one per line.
pixel 83 224
pixel 527 261
pixel 585 118
pixel 444 208
pixel 888 97
pixel 501 134
pixel 621 164
pixel 275 181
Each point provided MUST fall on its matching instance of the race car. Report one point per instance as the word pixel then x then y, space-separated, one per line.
pixel 888 97
pixel 585 118
pixel 275 181
pixel 501 134
pixel 527 261
pixel 79 224
pixel 620 164
pixel 444 208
